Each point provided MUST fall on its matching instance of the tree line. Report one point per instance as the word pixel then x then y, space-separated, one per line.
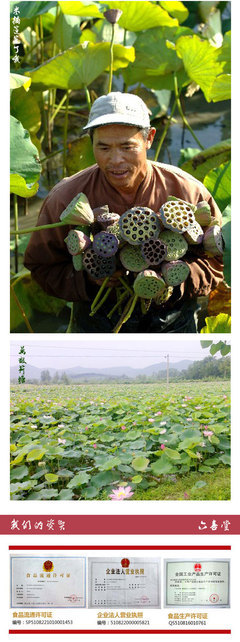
pixel 206 369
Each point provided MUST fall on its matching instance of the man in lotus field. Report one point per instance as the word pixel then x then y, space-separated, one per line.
pixel 122 178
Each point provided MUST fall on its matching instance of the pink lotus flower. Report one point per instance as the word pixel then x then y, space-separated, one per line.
pixel 123 427
pixel 207 433
pixel 162 447
pixel 94 445
pixel 121 493
pixel 158 413
pixel 151 420
pixel 163 423
pixel 86 427
pixel 189 419
pixel 197 407
pixel 61 441
pixel 163 431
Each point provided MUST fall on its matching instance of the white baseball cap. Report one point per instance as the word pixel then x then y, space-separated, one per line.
pixel 125 109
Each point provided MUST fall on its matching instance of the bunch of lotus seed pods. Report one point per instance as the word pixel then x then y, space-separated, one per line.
pixel 149 246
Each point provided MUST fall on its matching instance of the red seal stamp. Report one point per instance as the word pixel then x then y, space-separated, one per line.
pixel 73 598
pixel 125 562
pixel 214 598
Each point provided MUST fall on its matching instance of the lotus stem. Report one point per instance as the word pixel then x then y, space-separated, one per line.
pixel 70 325
pixel 15 202
pixel 185 121
pixel 126 313
pixel 165 131
pixel 97 297
pixel 99 305
pixel 89 104
pixel 23 313
pixel 111 61
pixel 41 39
pixel 125 285
pixel 119 301
pixel 38 228
pixel 65 131
pixel 58 108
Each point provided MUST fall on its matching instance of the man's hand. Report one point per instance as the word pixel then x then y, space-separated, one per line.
pixel 113 280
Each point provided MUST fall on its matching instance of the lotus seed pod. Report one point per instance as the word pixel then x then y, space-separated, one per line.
pixel 105 244
pixel 132 259
pixel 139 224
pixel 97 266
pixel 175 198
pixel 77 242
pixel 177 216
pixel 195 234
pixel 164 295
pixel 175 272
pixel 213 241
pixel 108 218
pixel 78 262
pixel 148 284
pixel 176 245
pixel 203 213
pixel 78 212
pixel 115 229
pixel 154 251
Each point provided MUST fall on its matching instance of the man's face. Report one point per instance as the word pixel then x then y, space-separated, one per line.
pixel 121 153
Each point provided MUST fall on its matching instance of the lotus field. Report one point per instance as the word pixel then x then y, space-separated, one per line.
pixel 132 441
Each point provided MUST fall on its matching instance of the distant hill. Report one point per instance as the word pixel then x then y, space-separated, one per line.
pixel 31 372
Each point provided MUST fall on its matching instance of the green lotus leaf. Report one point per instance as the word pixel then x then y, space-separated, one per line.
pixel 80 9
pixel 79 66
pixel 162 466
pixel 221 88
pixel 155 60
pixel 203 162
pixel 199 484
pixel 110 463
pixel 140 463
pixel 17 81
pixel 22 486
pixel 19 186
pixel 19 473
pixel 200 61
pixel 80 155
pixel 24 108
pixel 136 479
pixel 176 9
pixel 136 16
pixel 90 492
pixel 218 182
pixel 36 454
pixel 219 324
pixel 78 480
pixel 24 159
pixel 224 53
pixel 65 494
pixel 172 454
pixel 31 9
pixel 51 478
pixel 66 31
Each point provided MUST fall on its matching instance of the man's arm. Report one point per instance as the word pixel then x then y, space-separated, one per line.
pixel 47 256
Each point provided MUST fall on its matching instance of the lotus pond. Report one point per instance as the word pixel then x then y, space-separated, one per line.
pixel 82 443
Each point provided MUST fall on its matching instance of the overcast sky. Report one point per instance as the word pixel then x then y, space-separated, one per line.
pixel 100 351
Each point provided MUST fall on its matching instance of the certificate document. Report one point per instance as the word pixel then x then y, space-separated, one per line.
pixel 124 582
pixel 48 582
pixel 197 583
